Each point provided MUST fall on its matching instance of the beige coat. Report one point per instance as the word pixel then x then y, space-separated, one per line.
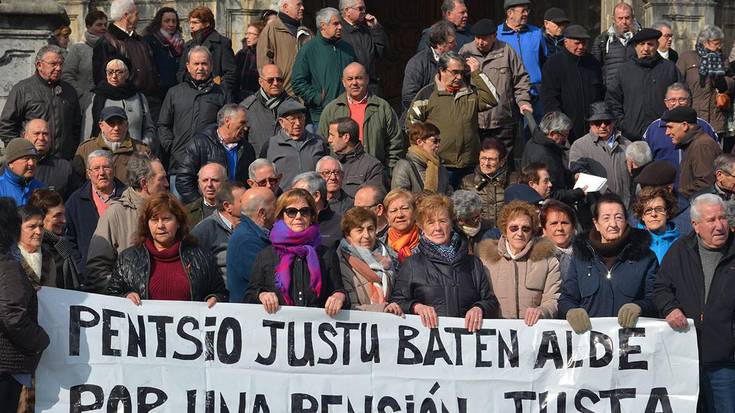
pixel 530 280
pixel 276 45
pixel 704 96
pixel 357 287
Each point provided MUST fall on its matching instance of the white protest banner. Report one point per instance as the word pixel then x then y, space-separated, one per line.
pixel 107 355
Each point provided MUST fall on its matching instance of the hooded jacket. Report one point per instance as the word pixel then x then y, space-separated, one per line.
pixel 531 279
pixel 660 243
pixel 601 292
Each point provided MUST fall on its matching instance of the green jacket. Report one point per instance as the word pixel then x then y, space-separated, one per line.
pixel 456 117
pixel 317 72
pixel 382 134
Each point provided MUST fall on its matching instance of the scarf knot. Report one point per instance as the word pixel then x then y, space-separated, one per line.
pixel 289 245
pixel 711 64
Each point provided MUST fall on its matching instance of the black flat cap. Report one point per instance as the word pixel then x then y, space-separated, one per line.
pixel 645 34
pixel 513 3
pixel 576 31
pixel 656 173
pixel 484 27
pixel 556 15
pixel 600 111
pixel 680 114
pixel 290 106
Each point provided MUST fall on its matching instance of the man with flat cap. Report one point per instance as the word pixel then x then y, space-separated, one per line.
pixel 555 21
pixel 662 174
pixel 698 150
pixel 572 81
pixel 293 149
pixel 504 68
pixel 636 95
pixel 18 182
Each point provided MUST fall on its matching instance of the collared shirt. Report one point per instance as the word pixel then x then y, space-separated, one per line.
pixel 227 222
pixel 101 201
pixel 228 146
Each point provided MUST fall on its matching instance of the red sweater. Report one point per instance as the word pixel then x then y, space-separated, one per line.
pixel 168 279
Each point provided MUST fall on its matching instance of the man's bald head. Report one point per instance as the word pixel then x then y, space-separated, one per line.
pixel 271 80
pixel 355 80
pixel 37 132
pixel 259 204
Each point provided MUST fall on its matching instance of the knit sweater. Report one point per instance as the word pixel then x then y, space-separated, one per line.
pixel 710 258
pixel 168 279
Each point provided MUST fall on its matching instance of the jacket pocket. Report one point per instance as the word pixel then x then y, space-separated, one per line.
pixel 588 282
pixel 629 282
pixel 536 278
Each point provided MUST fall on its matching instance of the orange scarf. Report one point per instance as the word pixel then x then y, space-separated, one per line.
pixel 403 244
pixel 375 290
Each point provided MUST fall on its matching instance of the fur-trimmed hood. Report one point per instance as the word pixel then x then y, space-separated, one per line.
pixel 541 249
pixel 639 246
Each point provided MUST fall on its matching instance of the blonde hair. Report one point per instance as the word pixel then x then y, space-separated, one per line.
pixel 430 205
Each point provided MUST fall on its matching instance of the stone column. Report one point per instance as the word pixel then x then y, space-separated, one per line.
pixel 77 10
pixel 688 18
pixel 24 28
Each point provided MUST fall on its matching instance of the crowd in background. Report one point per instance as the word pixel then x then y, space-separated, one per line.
pixel 152 167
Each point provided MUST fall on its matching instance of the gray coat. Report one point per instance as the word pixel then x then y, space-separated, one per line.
pixel 405 177
pixel 263 122
pixel 293 157
pixel 140 122
pixel 213 234
pixel 360 168
pixel 78 69
pixel 595 157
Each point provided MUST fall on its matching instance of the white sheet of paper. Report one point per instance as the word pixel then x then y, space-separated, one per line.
pixel 592 182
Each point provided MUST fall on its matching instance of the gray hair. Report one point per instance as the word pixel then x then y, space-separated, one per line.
pixel 282 3
pixel 555 122
pixel 325 159
pixel 343 4
pixel 440 32
pixel 466 204
pixel 199 49
pixel 448 57
pixel 724 163
pixel 119 7
pixel 49 48
pixel 226 193
pixel 662 23
pixel 99 153
pixel 710 33
pixel 118 62
pixel 449 5
pixel 314 183
pixel 324 15
pixel 260 163
pixel 704 199
pixel 139 168
pixel 679 86
pixel 220 167
pixel 639 152
pixel 227 111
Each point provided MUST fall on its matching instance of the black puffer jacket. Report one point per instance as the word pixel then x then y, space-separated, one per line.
pixel 451 288
pixel 132 273
pixel 205 147
pixel 263 279
pixel 21 338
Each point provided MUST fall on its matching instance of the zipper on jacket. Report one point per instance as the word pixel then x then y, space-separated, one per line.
pixel 518 304
pixel 188 275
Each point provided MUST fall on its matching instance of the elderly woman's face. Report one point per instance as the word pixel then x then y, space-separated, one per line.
pixel 518 231
pixel 362 235
pixel 400 215
pixel 654 215
pixel 298 215
pixel 31 233
pixel 437 228
pixel 163 227
pixel 116 75
pixel 559 229
pixel 610 221
pixel 490 161
pixel 714 45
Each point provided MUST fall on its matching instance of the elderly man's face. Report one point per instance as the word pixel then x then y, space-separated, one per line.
pixel 293 124
pixel 355 81
pixel 49 67
pixel 356 12
pixel 646 48
pixel 667 36
pixel 677 98
pixel 332 173
pixel 676 131
pixel 726 180
pixel 485 43
pixel 210 180
pixel 265 177
pixel 602 128
pixel 453 75
pixel 623 19
pixel 271 81
pixel 115 129
pixel 712 226
pixel 100 174
pixel 447 46
pixel 199 66
pixel 459 15
pixel 294 9
pixel 158 182
pixel 24 167
pixel 332 29
pixel 38 134
pixel 516 16
pixel 577 47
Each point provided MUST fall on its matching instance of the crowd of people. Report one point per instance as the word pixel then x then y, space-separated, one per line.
pixel 153 168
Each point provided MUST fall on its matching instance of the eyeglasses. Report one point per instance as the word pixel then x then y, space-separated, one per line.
pixel 485 159
pixel 657 210
pixel 304 212
pixel 677 100
pixel 602 122
pixel 272 80
pixel 514 228
pixel 115 72
pixel 54 64
pixel 266 181
pixel 98 169
pixel 301 118
pixel 327 174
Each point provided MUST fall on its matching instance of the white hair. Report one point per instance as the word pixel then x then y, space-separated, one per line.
pixel 199 49
pixel 117 63
pixel 704 199
pixel 99 153
pixel 343 4
pixel 324 15
pixel 639 152
pixel 119 7
pixel 219 166
pixel 260 163
pixel 325 159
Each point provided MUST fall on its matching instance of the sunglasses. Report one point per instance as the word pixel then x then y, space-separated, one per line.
pixel 515 228
pixel 266 181
pixel 602 122
pixel 271 80
pixel 292 212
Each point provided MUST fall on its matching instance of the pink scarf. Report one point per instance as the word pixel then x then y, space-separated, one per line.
pixel 289 245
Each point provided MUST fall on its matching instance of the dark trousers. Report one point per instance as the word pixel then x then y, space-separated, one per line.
pixel 9 393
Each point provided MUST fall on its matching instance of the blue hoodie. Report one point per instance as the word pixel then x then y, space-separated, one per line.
pixel 660 243
pixel 18 188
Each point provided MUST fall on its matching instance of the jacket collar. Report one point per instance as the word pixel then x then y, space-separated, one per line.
pixel 637 247
pixel 251 227
pixel 507 30
pixel 16 180
pixel 442 90
pixel 692 242
pixel 130 198
pixel 85 191
pixel 496 51
pixel 689 136
pixel 119 33
pixel 355 154
pixel 126 145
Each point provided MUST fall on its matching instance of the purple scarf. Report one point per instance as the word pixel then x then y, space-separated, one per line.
pixel 288 245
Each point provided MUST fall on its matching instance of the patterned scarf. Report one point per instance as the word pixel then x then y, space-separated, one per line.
pixel 376 266
pixel 403 244
pixel 710 64
pixel 431 177
pixel 289 245
pixel 447 253
pixel 174 40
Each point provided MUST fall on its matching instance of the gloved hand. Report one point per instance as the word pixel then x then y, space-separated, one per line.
pixel 628 315
pixel 579 320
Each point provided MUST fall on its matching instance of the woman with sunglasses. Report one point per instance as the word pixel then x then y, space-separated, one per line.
pixel 524 270
pixel 612 270
pixel 296 270
pixel 441 278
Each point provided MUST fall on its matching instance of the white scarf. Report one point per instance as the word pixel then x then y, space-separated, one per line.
pixel 34 260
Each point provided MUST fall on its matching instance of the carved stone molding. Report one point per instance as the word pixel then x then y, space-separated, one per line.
pixel 11 54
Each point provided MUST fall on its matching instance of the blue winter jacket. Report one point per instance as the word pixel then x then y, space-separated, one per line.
pixel 589 285
pixel 18 188
pixel 246 242
pixel 530 45
pixel 660 243
pixel 663 149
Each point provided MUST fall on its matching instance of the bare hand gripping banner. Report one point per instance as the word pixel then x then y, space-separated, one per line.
pixel 107 355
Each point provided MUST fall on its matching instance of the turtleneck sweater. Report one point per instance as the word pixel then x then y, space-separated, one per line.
pixel 168 279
